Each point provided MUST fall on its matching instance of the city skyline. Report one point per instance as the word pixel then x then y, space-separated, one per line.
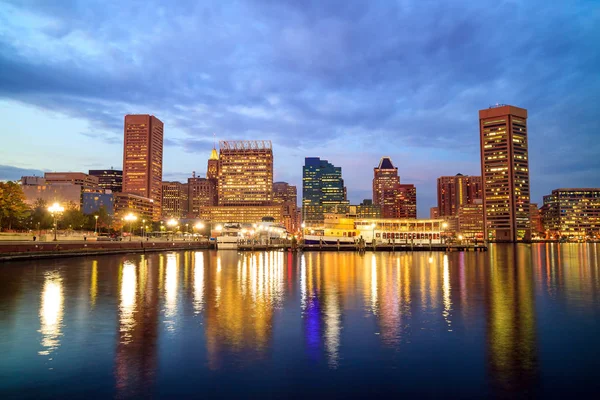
pixel 310 97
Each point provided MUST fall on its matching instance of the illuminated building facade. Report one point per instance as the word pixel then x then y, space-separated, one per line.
pixel 143 158
pixel 537 228
pixel 470 220
pixel 202 192
pixel 456 191
pixel 286 195
pixel 71 178
pixel 109 179
pixel 505 173
pixel 385 179
pixel 401 201
pixel 174 200
pixel 322 189
pixel 434 213
pixel 245 171
pixel 572 213
pixel 241 214
pixel 141 207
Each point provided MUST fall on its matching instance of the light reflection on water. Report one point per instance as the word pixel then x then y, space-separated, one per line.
pixel 310 315
pixel 51 313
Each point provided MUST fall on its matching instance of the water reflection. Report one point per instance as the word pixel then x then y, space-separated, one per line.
pixel 51 312
pixel 135 358
pixel 240 302
pixel 198 281
pixel 512 342
pixel 306 314
pixel 171 288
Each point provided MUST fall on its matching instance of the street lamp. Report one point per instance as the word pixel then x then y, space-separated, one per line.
pixel 96 227
pixel 130 218
pixel 143 228
pixel 444 227
pixel 172 223
pixel 55 209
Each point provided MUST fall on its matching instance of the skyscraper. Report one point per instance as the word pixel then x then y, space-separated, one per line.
pixel 286 195
pixel 322 188
pixel 505 173
pixel 143 158
pixel 456 191
pixel 245 170
pixel 395 200
pixel 385 178
pixel 174 199
pixel 109 179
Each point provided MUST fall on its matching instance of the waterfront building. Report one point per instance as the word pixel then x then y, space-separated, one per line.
pixel 505 173
pixel 109 179
pixel 469 219
pixel 174 200
pixel 143 159
pixel 322 189
pixel 33 181
pixel 572 213
pixel 202 192
pixel 245 173
pixel 348 229
pixel 286 195
pixel 244 214
pixel 434 213
pixel 385 179
pixel 91 202
pixel 71 178
pixel 126 203
pixel 456 191
pixel 537 228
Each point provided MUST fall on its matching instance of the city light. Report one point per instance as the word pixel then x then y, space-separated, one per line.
pixel 55 209
pixel 199 226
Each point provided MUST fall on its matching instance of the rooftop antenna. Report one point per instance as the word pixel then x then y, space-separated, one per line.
pixel 214 140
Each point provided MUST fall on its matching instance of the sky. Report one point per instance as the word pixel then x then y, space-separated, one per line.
pixel 347 81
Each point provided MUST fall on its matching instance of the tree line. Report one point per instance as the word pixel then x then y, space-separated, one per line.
pixel 17 215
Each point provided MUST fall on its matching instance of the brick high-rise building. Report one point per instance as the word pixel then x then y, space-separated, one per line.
pixel 286 195
pixel 385 179
pixel 143 158
pixel 505 173
pixel 245 171
pixel 456 191
pixel 174 199
pixel 202 192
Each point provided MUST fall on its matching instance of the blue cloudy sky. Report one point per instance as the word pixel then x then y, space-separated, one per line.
pixel 349 81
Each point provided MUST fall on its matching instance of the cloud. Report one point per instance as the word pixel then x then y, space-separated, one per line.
pixel 360 77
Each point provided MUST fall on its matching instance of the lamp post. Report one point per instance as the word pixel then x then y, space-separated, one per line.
pixel 130 218
pixel 172 223
pixel 96 226
pixel 143 228
pixel 55 209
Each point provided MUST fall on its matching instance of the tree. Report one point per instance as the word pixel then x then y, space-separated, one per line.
pixel 40 216
pixel 73 218
pixel 12 204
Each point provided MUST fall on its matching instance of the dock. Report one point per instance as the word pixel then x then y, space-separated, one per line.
pixel 359 248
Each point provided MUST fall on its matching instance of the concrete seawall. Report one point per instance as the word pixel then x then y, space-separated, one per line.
pixel 25 251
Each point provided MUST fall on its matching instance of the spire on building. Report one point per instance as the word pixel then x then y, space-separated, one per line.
pixel 214 155
pixel 385 163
